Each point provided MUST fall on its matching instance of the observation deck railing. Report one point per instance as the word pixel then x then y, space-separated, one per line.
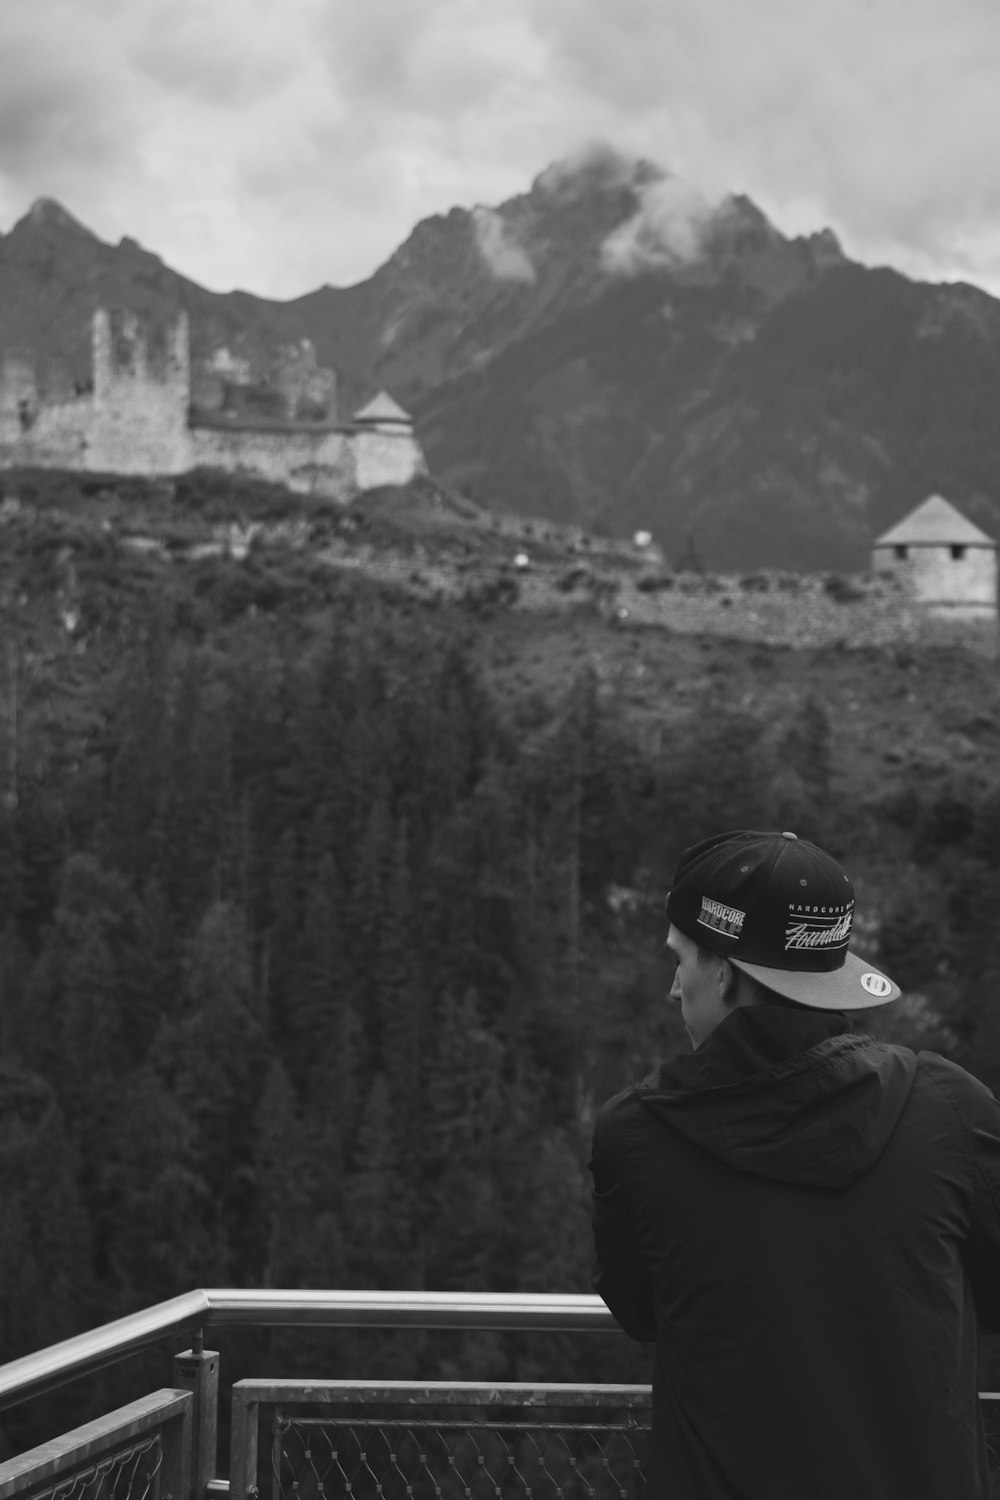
pixel 370 1441
pixel 334 1438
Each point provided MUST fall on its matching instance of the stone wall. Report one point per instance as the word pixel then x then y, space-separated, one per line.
pixel 312 461
pixel 18 396
pixel 777 609
pixel 56 434
pixel 62 432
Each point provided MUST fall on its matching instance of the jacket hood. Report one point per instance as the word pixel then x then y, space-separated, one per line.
pixel 787 1094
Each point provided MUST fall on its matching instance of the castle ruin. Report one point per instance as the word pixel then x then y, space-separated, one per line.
pixel 147 412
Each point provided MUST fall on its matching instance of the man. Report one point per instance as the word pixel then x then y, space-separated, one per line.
pixel 804 1219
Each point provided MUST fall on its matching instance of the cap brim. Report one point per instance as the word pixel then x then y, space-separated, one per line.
pixel 856 986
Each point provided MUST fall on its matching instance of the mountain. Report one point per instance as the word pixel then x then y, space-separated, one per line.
pixel 609 349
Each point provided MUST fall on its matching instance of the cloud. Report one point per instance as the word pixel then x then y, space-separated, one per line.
pixel 230 54
pixel 54 117
pixel 435 58
pixel 593 164
pixel 505 257
pixel 667 229
pixel 279 147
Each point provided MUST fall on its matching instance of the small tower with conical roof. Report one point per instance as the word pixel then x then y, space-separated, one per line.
pixel 948 563
pixel 386 449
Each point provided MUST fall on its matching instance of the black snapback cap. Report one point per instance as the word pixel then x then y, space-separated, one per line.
pixel 781 909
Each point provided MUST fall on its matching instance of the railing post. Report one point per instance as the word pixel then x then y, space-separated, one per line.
pixel 197 1371
pixel 243 1443
pixel 176 1447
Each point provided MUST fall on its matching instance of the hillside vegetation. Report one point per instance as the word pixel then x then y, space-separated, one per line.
pixel 329 914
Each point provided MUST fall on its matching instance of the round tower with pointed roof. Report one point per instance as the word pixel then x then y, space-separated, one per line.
pixel 386 450
pixel 948 563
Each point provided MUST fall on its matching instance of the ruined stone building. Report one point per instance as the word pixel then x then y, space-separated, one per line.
pixel 948 564
pixel 147 411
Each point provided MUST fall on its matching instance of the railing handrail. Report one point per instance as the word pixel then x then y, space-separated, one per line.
pixel 34 1374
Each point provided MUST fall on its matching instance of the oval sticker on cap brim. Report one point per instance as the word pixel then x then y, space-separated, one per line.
pixel 876 984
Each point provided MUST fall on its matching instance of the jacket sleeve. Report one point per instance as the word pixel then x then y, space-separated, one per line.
pixel 621 1277
pixel 981 1114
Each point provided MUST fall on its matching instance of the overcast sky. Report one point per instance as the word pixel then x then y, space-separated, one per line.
pixel 279 144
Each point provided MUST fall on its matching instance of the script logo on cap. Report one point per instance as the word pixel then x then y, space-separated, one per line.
pixel 818 926
pixel 725 919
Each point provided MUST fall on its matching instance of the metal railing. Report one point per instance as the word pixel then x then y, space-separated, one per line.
pixel 196 1371
pixel 139 1452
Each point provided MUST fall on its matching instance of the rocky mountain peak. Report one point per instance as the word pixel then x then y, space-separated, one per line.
pixel 49 241
pixel 49 217
pixel 826 249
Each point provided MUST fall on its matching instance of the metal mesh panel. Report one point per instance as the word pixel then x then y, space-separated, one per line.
pixel 129 1474
pixel 991 1421
pixel 475 1459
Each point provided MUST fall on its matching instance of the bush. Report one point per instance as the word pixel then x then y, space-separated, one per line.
pixel 842 590
pixel 217 496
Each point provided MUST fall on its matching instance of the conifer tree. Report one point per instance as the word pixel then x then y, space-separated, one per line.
pixel 399 998
pixel 463 1118
pixel 46 1279
pixel 381 1251
pixel 552 1216
pixel 150 971
pixel 285 899
pixel 211 1057
pixel 137 728
pixel 198 796
pixel 363 907
pixel 320 1040
pixel 154 1173
pixel 283 1204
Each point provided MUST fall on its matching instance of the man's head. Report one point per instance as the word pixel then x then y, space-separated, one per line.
pixel 708 987
pixel 765 909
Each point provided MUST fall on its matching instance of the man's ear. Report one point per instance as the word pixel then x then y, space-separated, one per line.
pixel 728 980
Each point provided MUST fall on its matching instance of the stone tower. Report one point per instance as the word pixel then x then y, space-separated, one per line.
pixel 385 445
pixel 949 565
pixel 142 395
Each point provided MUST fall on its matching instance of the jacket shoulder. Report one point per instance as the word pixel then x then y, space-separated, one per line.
pixel 622 1110
pixel 962 1089
pixel 618 1107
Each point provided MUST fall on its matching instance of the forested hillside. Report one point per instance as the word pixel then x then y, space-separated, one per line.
pixel 328 919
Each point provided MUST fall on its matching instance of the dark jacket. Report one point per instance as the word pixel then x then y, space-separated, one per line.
pixel 806 1221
